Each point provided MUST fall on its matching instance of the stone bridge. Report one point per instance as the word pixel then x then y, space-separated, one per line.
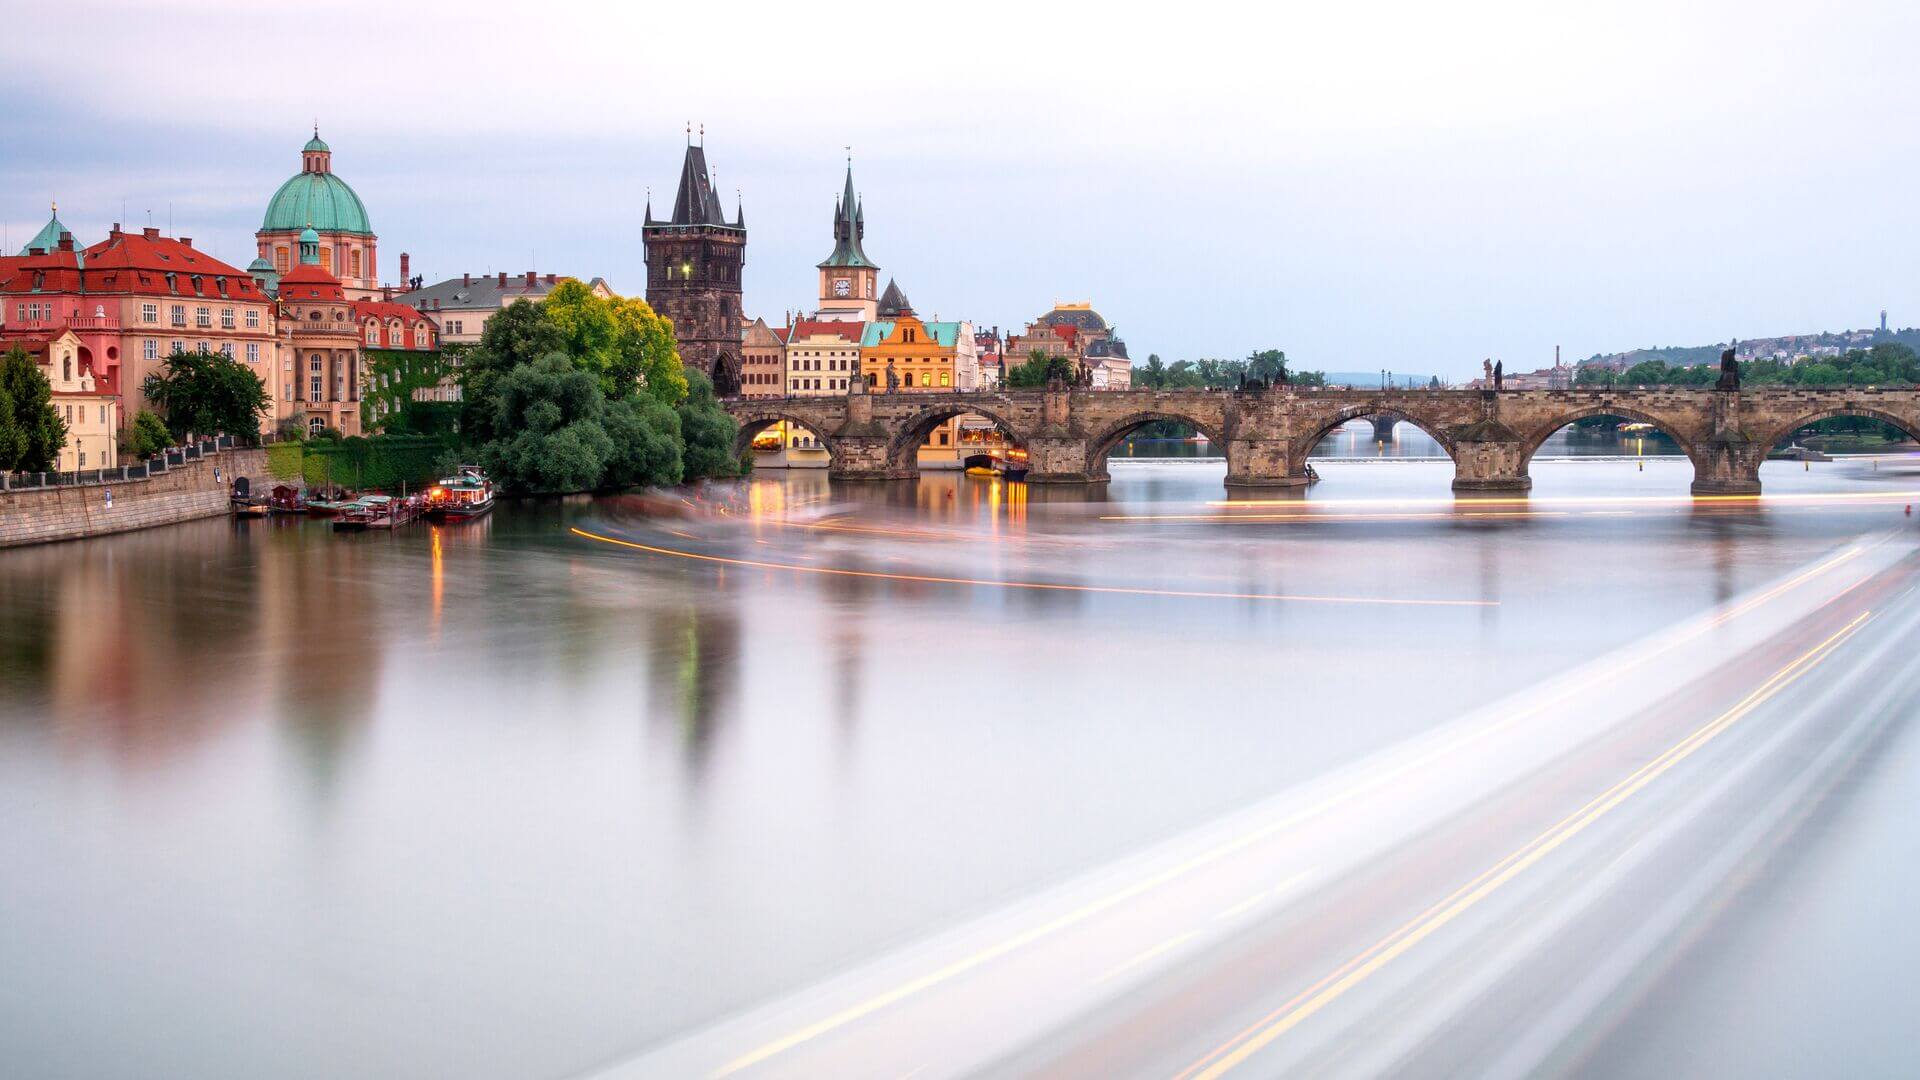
pixel 1266 434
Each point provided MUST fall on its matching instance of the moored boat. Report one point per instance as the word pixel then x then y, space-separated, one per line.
pixel 378 512
pixel 466 494
pixel 287 500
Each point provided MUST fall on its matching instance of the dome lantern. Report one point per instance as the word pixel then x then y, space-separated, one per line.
pixel 315 196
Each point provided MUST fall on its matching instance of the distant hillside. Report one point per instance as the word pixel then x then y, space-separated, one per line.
pixel 1784 347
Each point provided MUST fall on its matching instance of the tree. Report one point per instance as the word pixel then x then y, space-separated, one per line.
pixel 546 420
pixel 1153 373
pixel 518 334
pixel 706 430
pixel 31 432
pixel 146 436
pixel 1267 364
pixel 646 442
pixel 647 352
pixel 1039 370
pixel 208 393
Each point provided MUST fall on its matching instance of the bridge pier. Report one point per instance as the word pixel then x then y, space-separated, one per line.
pixel 1728 466
pixel 1263 463
pixel 864 457
pixel 1061 458
pixel 1488 456
pixel 1383 428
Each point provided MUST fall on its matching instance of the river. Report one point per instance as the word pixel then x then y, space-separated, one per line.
pixel 527 795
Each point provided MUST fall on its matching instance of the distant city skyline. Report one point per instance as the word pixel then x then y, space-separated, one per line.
pixel 1405 189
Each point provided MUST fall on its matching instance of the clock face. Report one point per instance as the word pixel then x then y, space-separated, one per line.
pixel 842 287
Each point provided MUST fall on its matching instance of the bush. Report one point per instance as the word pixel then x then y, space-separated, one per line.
pixel 146 436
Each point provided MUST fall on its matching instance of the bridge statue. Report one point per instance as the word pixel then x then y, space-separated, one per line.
pixel 1499 375
pixel 1487 366
pixel 1729 372
pixel 893 378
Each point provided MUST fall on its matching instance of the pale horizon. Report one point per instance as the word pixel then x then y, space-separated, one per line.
pixel 1397 188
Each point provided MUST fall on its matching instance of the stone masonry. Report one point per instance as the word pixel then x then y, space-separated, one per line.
pixel 182 493
pixel 1266 434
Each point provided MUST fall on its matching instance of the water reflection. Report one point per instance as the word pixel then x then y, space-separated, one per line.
pixel 549 799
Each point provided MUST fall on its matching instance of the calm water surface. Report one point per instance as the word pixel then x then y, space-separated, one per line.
pixel 501 799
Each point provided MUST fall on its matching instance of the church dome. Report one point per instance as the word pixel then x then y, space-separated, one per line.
pixel 322 200
pixel 316 145
pixel 1078 315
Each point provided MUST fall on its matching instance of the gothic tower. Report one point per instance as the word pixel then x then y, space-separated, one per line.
pixel 693 274
pixel 847 277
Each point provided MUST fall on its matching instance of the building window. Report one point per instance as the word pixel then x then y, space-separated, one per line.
pixel 203 317
pixel 83 459
pixel 316 424
pixel 314 363
pixel 314 385
pixel 280 258
pixel 253 352
pixel 253 319
pixel 150 349
pixel 326 259
pixel 226 349
pixel 179 315
pixel 944 376
pixel 373 334
pixel 150 313
pixel 226 318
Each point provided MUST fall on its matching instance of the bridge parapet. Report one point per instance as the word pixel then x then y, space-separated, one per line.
pixel 1266 435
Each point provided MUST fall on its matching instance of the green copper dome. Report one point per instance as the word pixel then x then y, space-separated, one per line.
pixel 315 143
pixel 320 199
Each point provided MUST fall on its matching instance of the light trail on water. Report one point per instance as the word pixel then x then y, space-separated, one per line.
pixel 1038 586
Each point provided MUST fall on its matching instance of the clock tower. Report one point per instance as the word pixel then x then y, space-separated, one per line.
pixel 847 277
pixel 693 274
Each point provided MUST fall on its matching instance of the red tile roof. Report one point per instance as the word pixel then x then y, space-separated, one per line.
pixel 309 281
pixel 145 263
pixel 849 331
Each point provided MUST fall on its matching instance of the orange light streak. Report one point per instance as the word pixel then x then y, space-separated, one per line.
pixel 1037 586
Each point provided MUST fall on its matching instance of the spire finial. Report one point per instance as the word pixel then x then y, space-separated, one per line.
pixel 316 127
pixel 703 133
pixel 689 133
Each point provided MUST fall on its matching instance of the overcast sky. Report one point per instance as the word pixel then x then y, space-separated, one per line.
pixel 1413 186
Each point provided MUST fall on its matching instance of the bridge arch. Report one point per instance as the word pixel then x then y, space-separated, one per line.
pixel 1532 440
pixel 1908 424
pixel 903 449
pixel 1102 444
pixel 754 421
pixel 1323 426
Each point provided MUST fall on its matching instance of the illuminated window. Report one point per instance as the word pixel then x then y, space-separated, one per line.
pixel 280 258
pixel 944 377
pixel 353 262
pixel 326 259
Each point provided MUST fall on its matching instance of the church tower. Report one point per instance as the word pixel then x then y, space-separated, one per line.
pixel 847 277
pixel 693 274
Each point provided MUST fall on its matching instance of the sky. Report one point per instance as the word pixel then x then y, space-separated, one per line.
pixel 1365 185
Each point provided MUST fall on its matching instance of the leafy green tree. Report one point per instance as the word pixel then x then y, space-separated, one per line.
pixel 706 430
pixel 586 325
pixel 1152 374
pixel 1040 369
pixel 208 393
pixel 547 431
pixel 146 436
pixel 518 334
pixel 647 354
pixel 31 433
pixel 1266 364
pixel 646 442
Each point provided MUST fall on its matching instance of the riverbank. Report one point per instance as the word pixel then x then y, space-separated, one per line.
pixel 196 488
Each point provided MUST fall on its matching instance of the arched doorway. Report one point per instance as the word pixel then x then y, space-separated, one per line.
pixel 725 376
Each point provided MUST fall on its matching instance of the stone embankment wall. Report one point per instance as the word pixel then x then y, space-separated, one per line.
pixel 182 493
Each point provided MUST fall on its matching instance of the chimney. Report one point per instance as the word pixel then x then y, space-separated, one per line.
pixel 550 279
pixel 186 241
pixel 150 233
pixel 66 241
pixel 466 279
pixel 404 275
pixel 114 233
pixel 503 279
pixel 532 279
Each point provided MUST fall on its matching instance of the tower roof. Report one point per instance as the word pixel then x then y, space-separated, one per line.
pixel 319 199
pixel 849 227
pixel 695 202
pixel 893 302
pixel 48 238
